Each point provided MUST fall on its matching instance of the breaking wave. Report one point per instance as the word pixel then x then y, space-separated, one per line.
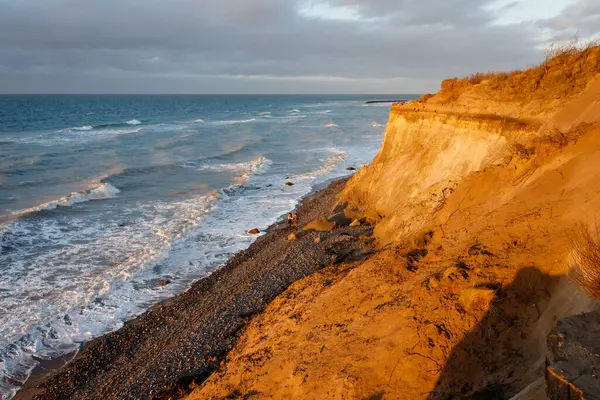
pixel 83 128
pixel 103 191
pixel 234 122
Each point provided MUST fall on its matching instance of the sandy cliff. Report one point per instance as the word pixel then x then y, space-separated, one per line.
pixel 473 196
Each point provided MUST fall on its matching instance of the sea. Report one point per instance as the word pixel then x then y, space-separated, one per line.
pixel 110 204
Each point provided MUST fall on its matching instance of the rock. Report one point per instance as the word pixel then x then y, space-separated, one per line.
pixel 350 169
pixel 339 207
pixel 317 240
pixel 320 225
pixel 162 283
pixel 269 185
pixel 254 231
pixel 289 184
pixel 355 223
pixel 572 358
pixel 340 219
pixel 291 237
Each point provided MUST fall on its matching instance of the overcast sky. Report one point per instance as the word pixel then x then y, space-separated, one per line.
pixel 273 46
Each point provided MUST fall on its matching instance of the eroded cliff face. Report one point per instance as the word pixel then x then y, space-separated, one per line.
pixel 473 196
pixel 431 146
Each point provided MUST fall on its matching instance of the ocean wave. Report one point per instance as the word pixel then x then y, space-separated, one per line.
pixel 198 120
pixel 323 112
pixel 376 124
pixel 291 117
pixel 258 165
pixel 83 128
pixel 262 114
pixel 331 126
pixel 294 111
pixel 234 122
pixel 110 132
pixel 102 191
pixel 330 162
pixel 102 126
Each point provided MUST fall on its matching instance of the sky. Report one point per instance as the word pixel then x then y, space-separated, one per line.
pixel 274 46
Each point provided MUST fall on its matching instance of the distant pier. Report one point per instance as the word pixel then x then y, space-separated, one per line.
pixel 387 101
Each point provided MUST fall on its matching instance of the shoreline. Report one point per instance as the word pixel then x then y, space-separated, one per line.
pixel 182 340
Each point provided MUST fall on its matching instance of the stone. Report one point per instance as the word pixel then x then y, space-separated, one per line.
pixel 572 358
pixel 291 237
pixel 289 184
pixel 320 225
pixel 340 219
pixel 355 223
pixel 317 240
pixel 350 169
pixel 254 231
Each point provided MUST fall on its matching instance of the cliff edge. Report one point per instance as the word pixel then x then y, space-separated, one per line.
pixel 473 197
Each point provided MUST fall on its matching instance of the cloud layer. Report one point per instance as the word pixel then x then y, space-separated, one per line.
pixel 266 46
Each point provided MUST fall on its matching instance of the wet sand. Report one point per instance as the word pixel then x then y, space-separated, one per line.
pixel 184 339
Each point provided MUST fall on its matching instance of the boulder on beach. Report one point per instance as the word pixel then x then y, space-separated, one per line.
pixel 320 225
pixel 289 184
pixel 340 219
pixel 355 223
pixel 254 231
pixel 350 169
pixel 291 237
pixel 317 240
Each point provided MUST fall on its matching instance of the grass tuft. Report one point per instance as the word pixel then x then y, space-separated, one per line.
pixel 476 299
pixel 585 259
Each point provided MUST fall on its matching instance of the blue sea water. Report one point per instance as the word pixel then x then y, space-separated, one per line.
pixel 103 197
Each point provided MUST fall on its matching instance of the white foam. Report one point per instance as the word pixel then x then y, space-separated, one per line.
pixel 323 112
pixel 294 111
pixel 332 159
pixel 376 124
pixel 133 122
pixel 291 117
pixel 331 126
pixel 103 191
pixel 109 132
pixel 264 113
pixel 234 122
pixel 198 120
pixel 83 128
pixel 249 167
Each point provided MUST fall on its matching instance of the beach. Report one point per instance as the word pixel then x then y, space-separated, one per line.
pixel 182 340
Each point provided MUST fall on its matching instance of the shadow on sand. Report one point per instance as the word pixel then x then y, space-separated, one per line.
pixel 492 360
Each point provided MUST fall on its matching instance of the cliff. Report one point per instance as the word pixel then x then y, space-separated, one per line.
pixel 432 146
pixel 473 198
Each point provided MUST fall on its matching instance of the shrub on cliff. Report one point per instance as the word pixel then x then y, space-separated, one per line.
pixel 565 71
pixel 585 259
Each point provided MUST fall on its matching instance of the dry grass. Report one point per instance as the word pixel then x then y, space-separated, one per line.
pixel 477 299
pixel 566 69
pixel 585 258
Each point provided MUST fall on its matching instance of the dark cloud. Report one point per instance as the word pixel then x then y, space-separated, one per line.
pixel 582 17
pixel 257 46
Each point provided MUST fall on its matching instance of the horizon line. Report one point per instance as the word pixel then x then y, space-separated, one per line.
pixel 210 94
